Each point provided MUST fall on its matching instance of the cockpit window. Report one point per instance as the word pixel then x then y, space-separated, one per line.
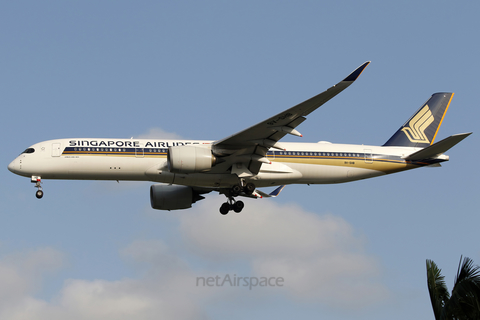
pixel 29 150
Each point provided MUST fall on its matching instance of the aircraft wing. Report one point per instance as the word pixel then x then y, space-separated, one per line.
pixel 250 146
pixel 272 194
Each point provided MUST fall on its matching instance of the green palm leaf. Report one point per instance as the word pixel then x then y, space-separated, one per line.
pixel 437 289
pixel 465 300
pixel 464 303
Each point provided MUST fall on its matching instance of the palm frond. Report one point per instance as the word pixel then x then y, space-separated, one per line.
pixel 437 289
pixel 465 300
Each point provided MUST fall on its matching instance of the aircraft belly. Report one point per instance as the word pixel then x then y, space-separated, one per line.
pixel 264 179
pixel 216 180
pixel 97 168
pixel 160 173
pixel 325 174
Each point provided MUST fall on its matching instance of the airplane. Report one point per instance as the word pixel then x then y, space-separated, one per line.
pixel 240 164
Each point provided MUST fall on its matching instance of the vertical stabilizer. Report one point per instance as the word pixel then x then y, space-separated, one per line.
pixel 422 128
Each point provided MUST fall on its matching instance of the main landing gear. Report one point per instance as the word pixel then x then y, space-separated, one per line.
pixel 235 191
pixel 38 181
pixel 231 204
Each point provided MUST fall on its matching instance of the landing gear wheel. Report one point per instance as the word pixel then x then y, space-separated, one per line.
pixel 249 188
pixel 225 208
pixel 236 189
pixel 38 184
pixel 238 206
pixel 39 194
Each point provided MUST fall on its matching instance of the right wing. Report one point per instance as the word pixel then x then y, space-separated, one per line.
pixel 249 147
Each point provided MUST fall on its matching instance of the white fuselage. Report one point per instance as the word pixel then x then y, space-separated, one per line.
pixel 146 160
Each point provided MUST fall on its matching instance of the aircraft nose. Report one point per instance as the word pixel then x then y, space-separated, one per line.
pixel 11 166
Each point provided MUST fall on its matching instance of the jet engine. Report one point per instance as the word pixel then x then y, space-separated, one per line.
pixel 171 197
pixel 190 159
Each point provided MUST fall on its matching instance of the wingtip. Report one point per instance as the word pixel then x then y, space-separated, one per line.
pixel 356 73
pixel 277 191
pixel 466 134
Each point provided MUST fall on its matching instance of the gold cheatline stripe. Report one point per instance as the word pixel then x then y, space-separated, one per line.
pixel 342 159
pixel 306 159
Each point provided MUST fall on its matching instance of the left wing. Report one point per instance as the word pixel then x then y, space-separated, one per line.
pixel 273 194
pixel 250 146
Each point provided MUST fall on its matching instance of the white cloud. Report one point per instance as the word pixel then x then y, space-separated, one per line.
pixel 21 273
pixel 320 257
pixel 159 133
pixel 163 293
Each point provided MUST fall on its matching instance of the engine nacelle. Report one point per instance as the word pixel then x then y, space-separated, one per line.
pixel 190 159
pixel 171 197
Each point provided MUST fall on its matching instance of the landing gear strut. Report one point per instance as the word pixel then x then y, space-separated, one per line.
pixel 38 181
pixel 235 191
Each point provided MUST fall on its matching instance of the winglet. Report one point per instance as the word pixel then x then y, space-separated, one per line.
pixel 273 194
pixel 355 74
pixel 277 191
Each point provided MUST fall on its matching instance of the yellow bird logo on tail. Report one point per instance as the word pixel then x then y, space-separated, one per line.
pixel 417 126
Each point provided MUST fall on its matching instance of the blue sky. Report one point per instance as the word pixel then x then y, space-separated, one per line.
pixel 205 70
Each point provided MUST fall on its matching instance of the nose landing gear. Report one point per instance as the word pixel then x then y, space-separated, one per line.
pixel 38 181
pixel 39 194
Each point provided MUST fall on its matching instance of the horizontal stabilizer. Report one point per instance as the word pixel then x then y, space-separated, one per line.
pixel 438 148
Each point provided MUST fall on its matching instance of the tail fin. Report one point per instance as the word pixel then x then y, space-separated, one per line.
pixel 421 129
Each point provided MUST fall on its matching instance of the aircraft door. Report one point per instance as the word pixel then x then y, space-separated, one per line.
pixel 368 156
pixel 56 149
pixel 139 153
pixel 270 155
